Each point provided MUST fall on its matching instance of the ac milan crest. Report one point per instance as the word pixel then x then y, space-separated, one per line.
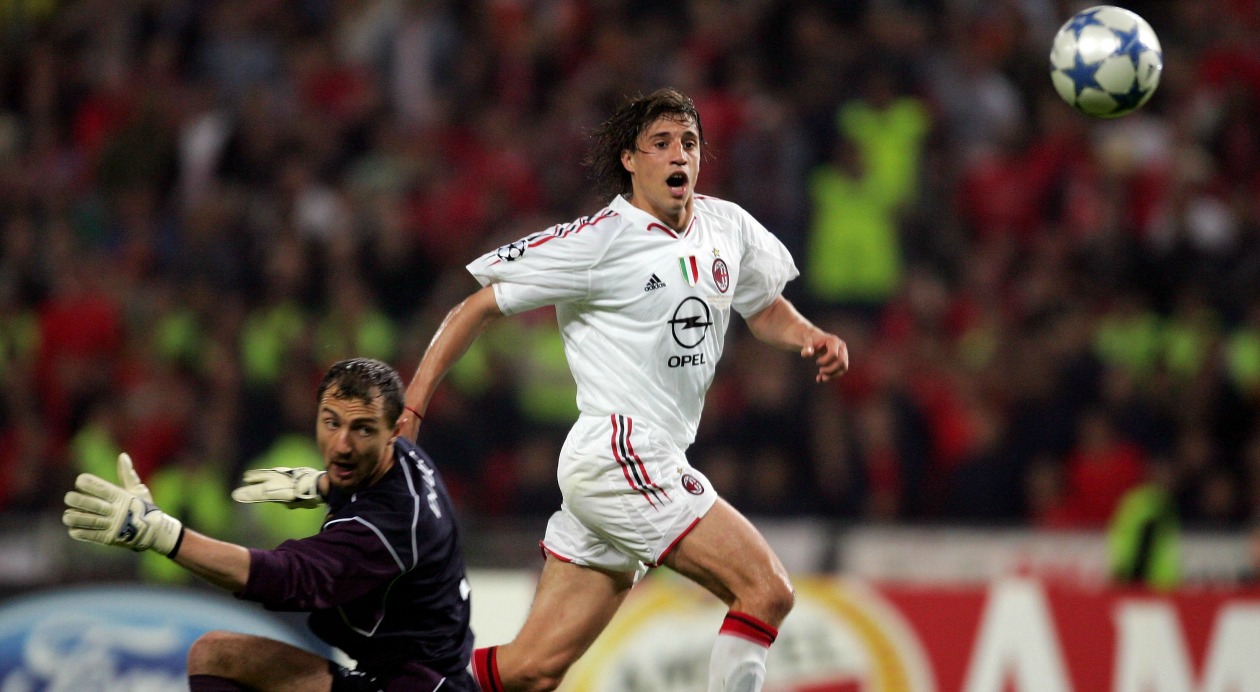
pixel 721 275
pixel 692 485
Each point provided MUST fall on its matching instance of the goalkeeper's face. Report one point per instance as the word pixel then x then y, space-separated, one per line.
pixel 355 439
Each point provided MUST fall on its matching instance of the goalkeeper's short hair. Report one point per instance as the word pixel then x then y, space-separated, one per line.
pixel 365 379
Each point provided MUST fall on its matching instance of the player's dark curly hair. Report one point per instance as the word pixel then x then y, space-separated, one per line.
pixel 621 132
pixel 365 379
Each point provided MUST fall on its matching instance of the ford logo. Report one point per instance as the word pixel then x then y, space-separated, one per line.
pixel 120 637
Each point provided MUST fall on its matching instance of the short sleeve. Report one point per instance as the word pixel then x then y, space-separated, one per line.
pixel 547 268
pixel 764 269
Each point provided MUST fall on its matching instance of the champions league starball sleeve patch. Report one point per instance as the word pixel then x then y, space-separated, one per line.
pixel 512 251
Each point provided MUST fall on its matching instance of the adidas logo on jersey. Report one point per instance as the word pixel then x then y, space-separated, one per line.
pixel 654 283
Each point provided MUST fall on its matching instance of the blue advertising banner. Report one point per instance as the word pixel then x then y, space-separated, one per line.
pixel 131 638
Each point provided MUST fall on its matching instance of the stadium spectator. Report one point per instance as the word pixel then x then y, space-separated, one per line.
pixel 383 579
pixel 1143 535
pixel 853 257
pixel 1101 469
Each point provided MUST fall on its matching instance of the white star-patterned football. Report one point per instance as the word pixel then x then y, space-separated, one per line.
pixel 1106 61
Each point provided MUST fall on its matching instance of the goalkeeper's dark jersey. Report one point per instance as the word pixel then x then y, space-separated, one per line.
pixel 384 577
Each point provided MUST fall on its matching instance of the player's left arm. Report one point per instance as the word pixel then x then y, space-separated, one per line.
pixel 780 324
pixel 293 487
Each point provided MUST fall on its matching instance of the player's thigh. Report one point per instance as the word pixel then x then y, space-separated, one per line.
pixel 726 554
pixel 259 662
pixel 572 605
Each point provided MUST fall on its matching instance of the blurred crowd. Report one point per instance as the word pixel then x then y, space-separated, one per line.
pixel 203 203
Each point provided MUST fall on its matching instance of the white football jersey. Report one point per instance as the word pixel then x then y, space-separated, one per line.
pixel 643 310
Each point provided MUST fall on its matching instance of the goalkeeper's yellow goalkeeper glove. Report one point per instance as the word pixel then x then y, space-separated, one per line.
pixel 295 488
pixel 98 511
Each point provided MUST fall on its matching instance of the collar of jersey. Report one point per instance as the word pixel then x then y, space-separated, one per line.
pixel 646 221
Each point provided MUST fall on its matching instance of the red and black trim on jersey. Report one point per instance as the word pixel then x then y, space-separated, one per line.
pixel 562 230
pixel 565 229
pixel 631 465
pixel 671 232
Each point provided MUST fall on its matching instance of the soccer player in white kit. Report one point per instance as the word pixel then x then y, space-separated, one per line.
pixel 643 292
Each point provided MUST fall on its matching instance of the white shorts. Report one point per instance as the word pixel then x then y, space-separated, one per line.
pixel 629 496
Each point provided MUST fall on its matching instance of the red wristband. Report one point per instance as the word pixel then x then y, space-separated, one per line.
pixel 419 416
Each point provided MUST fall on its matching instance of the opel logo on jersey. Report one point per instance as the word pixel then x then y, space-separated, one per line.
pixel 691 322
pixel 721 275
pixel 692 485
pixel 511 251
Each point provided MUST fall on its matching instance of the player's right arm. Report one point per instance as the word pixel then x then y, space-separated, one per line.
pixel 546 268
pixel 125 514
pixel 461 327
pixel 223 564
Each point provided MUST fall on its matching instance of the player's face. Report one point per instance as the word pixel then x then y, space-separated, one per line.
pixel 354 439
pixel 664 168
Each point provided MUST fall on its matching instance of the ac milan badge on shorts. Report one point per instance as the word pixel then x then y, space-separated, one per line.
pixel 691 485
pixel 721 276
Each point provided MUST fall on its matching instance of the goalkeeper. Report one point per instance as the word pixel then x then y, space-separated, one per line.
pixel 383 579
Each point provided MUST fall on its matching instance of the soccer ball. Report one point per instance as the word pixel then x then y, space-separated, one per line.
pixel 1106 61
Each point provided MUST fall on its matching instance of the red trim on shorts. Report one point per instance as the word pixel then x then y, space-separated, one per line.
pixel 745 626
pixel 548 551
pixel 625 465
pixel 486 669
pixel 670 548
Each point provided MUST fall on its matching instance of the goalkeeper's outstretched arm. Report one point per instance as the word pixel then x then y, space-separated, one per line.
pixel 221 563
pixel 98 511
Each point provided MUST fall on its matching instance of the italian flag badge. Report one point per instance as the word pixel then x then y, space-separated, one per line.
pixel 690 269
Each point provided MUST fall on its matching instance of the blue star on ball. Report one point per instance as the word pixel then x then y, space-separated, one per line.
pixel 1130 44
pixel 1082 20
pixel 1083 75
pixel 1129 100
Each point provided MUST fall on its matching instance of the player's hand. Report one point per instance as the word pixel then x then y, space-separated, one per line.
pixel 98 511
pixel 293 487
pixel 131 480
pixel 829 352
